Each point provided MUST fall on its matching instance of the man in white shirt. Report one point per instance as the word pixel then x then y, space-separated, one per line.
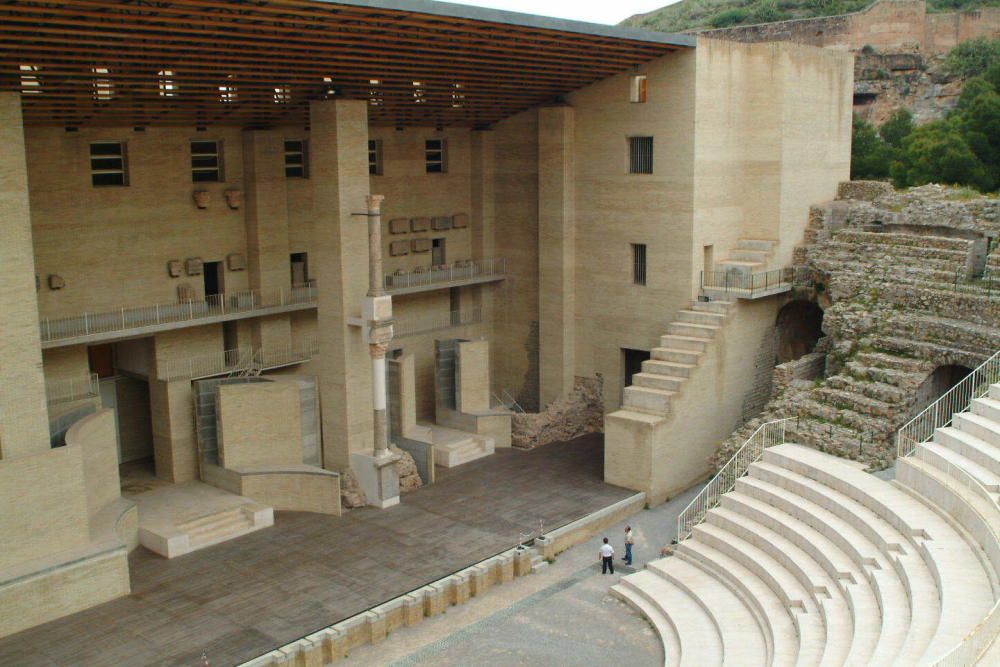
pixel 607 556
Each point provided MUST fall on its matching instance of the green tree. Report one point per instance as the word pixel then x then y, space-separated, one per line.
pixel 870 156
pixel 897 128
pixel 938 153
pixel 973 57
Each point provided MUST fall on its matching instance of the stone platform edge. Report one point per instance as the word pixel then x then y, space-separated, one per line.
pixel 373 626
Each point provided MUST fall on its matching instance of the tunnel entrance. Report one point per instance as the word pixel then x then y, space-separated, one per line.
pixel 799 327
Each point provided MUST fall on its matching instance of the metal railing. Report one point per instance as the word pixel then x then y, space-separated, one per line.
pixel 411 326
pixel 747 285
pixel 504 399
pixel 941 412
pixel 447 273
pixel 239 360
pixel 122 319
pixel 769 434
pixel 63 390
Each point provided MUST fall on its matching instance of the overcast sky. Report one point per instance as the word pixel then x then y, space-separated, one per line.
pixel 595 11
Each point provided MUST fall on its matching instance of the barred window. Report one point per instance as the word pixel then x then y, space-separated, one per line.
pixel 375 157
pixel 640 155
pixel 206 161
pixel 639 263
pixel 108 163
pixel 436 156
pixel 296 159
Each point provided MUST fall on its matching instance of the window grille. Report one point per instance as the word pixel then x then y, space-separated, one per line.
pixel 108 164
pixel 206 162
pixel 436 155
pixel 375 157
pixel 296 159
pixel 640 155
pixel 639 263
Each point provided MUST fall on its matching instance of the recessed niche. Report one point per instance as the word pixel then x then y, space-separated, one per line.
pixel 397 248
pixel 441 223
pixel 174 268
pixel 420 224
pixel 460 221
pixel 193 266
pixel 399 226
pixel 421 245
pixel 236 262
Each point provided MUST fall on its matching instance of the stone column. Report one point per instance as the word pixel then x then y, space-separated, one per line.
pixel 266 216
pixel 483 219
pixel 339 160
pixel 556 256
pixel 24 427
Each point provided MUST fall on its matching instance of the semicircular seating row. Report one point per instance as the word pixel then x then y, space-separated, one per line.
pixel 813 561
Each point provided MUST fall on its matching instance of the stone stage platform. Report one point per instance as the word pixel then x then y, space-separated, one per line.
pixel 239 599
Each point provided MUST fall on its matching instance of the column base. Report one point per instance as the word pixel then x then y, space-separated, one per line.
pixel 377 477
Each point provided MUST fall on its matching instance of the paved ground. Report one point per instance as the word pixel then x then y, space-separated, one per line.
pixel 243 598
pixel 561 616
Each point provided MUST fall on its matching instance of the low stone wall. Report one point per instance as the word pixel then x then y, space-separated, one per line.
pixel 863 190
pixel 559 540
pixel 579 413
pixel 809 367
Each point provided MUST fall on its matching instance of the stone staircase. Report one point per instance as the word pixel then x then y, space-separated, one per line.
pixel 749 256
pixel 453 448
pixel 677 357
pixel 810 560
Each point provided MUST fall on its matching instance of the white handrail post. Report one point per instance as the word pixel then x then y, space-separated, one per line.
pixel 157 313
pixel 191 309
pixel 86 324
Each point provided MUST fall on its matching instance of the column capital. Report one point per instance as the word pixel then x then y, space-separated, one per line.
pixel 375 203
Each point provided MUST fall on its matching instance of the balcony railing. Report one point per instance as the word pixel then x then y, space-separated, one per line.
pixel 467 270
pixel 747 285
pixel 63 390
pixel 217 305
pixel 246 360
pixel 411 326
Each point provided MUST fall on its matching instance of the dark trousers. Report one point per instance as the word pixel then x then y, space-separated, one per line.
pixel 628 554
pixel 607 564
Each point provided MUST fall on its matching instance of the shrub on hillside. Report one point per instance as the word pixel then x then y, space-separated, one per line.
pixel 871 157
pixel 938 153
pixel 897 128
pixel 973 57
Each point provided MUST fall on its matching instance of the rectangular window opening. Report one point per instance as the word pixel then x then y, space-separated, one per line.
pixel 296 159
pixel 638 94
pixel 640 155
pixel 206 162
pixel 108 163
pixel 375 157
pixel 639 263
pixel 436 156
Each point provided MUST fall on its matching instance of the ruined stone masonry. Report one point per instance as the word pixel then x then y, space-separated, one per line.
pixel 903 278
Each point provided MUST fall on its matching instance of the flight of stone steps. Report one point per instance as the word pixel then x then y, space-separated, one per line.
pixel 453 447
pixel 677 357
pixel 749 256
pixel 810 560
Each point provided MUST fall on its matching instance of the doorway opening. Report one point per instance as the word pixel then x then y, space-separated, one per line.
pixel 708 260
pixel 799 327
pixel 213 275
pixel 632 364
pixel 438 256
pixel 300 268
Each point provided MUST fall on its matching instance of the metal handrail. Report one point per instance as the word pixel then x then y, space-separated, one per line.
pixel 406 326
pixel 63 390
pixel 941 412
pixel 239 360
pixel 463 270
pixel 748 284
pixel 215 305
pixel 767 435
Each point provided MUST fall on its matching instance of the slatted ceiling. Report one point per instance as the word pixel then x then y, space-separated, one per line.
pixel 503 65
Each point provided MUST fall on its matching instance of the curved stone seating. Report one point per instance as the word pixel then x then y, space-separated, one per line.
pixel 813 561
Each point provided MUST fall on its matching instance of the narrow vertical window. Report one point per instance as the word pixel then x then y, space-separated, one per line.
pixel 375 157
pixel 30 83
pixel 206 161
pixel 167 83
pixel 436 156
pixel 104 87
pixel 638 94
pixel 108 164
pixel 640 155
pixel 296 159
pixel 639 263
pixel 282 94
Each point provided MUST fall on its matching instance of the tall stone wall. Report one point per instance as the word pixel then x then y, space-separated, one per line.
pixel 888 25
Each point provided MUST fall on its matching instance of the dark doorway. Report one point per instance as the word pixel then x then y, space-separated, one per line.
pixel 632 363
pixel 437 252
pixel 102 360
pixel 213 278
pixel 300 268
pixel 938 383
pixel 799 328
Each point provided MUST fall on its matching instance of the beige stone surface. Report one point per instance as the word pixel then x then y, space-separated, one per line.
pixel 257 424
pixel 175 448
pixel 296 489
pixel 473 376
pixel 23 424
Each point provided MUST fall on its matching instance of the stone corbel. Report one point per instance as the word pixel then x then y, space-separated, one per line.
pixel 234 198
pixel 201 198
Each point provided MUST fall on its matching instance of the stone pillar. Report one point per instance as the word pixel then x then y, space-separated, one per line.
pixel 339 159
pixel 556 238
pixel 483 219
pixel 266 216
pixel 24 426
pixel 175 447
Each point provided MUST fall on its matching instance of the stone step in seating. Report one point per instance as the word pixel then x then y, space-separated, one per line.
pixel 680 353
pixel 811 560
pixel 453 448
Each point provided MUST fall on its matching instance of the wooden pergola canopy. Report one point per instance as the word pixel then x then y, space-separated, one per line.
pixel 257 64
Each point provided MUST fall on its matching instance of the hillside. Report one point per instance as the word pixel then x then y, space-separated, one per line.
pixel 690 14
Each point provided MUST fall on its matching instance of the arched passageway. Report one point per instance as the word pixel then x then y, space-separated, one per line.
pixel 938 382
pixel 799 326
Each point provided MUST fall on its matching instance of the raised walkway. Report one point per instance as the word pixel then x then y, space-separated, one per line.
pixel 239 599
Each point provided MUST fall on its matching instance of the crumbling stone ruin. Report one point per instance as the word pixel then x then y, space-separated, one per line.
pixel 575 414
pixel 911 295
